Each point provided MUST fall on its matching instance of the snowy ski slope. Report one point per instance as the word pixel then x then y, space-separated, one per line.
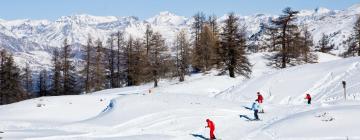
pixel 177 111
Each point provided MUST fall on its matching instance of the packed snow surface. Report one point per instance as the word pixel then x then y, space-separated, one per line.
pixel 177 111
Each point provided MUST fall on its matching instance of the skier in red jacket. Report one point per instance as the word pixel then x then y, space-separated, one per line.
pixel 260 98
pixel 211 125
pixel 308 97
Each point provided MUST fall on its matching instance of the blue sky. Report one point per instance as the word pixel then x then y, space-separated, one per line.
pixel 53 9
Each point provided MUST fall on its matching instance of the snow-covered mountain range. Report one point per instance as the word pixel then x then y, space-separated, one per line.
pixel 35 38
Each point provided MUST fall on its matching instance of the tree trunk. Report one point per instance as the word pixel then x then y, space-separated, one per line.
pixel 182 77
pixel 118 76
pixel 283 43
pixel 359 47
pixel 155 82
pixel 232 72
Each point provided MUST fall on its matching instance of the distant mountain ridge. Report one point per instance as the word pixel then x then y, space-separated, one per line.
pixel 25 35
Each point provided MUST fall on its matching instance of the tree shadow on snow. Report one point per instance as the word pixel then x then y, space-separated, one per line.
pixel 199 136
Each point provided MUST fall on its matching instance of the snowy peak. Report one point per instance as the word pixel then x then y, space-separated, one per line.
pixel 167 18
pixel 86 19
pixel 306 12
pixel 24 21
pixel 322 10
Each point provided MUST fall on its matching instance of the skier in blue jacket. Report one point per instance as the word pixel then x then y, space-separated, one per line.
pixel 255 107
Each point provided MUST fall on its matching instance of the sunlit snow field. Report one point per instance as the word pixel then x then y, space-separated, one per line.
pixel 177 111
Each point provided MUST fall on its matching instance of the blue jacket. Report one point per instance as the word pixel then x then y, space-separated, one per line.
pixel 255 106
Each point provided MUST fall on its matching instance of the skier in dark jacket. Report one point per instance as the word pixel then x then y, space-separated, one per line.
pixel 211 125
pixel 308 98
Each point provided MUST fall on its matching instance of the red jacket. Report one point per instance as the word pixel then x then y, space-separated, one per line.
pixel 308 96
pixel 210 124
pixel 260 97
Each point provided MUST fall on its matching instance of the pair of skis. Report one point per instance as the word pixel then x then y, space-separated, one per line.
pixel 248 118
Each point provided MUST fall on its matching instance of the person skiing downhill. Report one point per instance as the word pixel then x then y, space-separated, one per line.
pixel 308 97
pixel 211 125
pixel 255 107
pixel 260 98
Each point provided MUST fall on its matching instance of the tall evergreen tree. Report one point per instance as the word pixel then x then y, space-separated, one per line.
pixel 182 55
pixel 11 89
pixel 299 48
pixel 56 86
pixel 197 27
pixel 148 34
pixel 146 63
pixel 353 42
pixel 214 39
pixel 128 65
pixel 120 61
pixel 213 24
pixel 86 72
pixel 2 80
pixel 68 69
pixel 204 55
pixel 284 24
pixel 233 44
pixel 352 47
pixel 158 56
pixel 357 34
pixel 139 62
pixel 291 45
pixel 27 78
pixel 306 44
pixel 111 64
pixel 134 62
pixel 272 39
pixel 324 44
pixel 43 85
pixel 99 70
